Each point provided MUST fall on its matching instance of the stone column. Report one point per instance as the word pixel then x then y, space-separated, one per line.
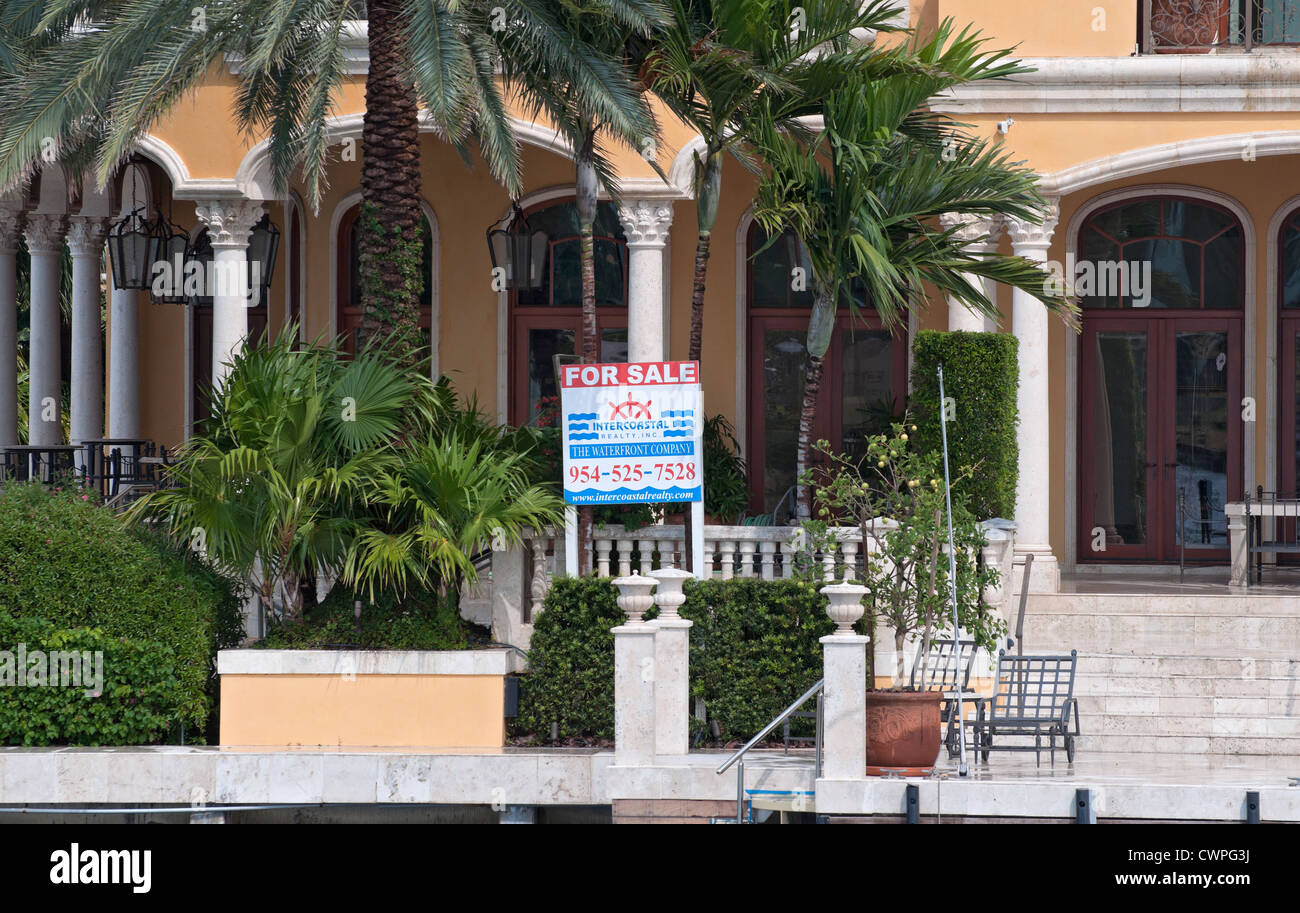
pixel 634 675
pixel 230 222
pixel 672 664
pixel 10 226
pixel 124 363
pixel 646 223
pixel 844 658
pixel 1029 323
pixel 86 243
pixel 981 237
pixel 45 365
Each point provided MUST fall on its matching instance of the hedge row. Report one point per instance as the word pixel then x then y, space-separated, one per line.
pixel 70 569
pixel 981 376
pixel 754 649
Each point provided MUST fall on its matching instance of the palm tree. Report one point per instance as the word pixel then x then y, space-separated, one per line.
pixel 719 64
pixel 616 30
pixel 865 196
pixel 270 487
pixel 93 77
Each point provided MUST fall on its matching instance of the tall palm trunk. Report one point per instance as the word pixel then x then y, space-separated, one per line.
pixel 812 386
pixel 390 239
pixel 586 203
pixel 821 323
pixel 708 183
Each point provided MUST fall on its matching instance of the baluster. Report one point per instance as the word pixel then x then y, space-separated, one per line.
pixel 602 557
pixel 727 555
pixel 541 581
pixel 710 549
pixel 850 549
pixel 645 547
pixel 624 557
pixel 767 555
pixel 828 561
pixel 747 548
pixel 787 559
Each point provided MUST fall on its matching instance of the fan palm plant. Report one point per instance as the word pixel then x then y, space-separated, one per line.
pixel 866 192
pixel 91 78
pixel 268 489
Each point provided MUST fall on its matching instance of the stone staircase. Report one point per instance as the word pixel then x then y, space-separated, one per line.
pixel 1176 674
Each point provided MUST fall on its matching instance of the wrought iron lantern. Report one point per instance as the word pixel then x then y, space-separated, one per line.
pixel 169 258
pixel 263 246
pixel 519 250
pixel 131 245
pixel 199 253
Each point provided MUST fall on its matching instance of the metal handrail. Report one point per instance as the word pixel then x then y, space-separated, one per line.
pixel 781 718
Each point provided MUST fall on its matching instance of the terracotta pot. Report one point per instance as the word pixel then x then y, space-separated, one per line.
pixel 903 728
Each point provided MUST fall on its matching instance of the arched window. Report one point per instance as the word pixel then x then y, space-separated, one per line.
pixel 863 387
pixel 546 322
pixel 1192 251
pixel 349 281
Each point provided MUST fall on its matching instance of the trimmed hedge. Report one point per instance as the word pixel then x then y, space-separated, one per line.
pixel 72 564
pixel 754 649
pixel 136 702
pixel 981 374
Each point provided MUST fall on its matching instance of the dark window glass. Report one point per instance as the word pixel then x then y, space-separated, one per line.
pixel 562 271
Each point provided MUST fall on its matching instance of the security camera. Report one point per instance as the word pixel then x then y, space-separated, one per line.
pixel 1004 126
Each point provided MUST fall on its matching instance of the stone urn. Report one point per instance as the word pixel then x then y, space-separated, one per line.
pixel 634 596
pixel 669 597
pixel 844 604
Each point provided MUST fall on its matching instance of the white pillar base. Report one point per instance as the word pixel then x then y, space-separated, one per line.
pixel 634 694
pixel 844 736
pixel 1044 576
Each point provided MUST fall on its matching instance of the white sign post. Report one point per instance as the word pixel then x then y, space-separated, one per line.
pixel 633 434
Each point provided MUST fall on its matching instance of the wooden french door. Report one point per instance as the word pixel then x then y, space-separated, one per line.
pixel 1160 419
pixel 538 335
pixel 864 386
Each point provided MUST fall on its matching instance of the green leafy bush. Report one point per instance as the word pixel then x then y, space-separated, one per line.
pixel 754 649
pixel 416 621
pixel 981 375
pixel 136 701
pixel 72 563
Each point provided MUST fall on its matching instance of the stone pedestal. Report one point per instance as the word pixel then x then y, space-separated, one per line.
pixel 844 656
pixel 634 674
pixel 672 665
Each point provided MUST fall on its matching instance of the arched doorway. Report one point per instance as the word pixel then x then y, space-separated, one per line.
pixel 546 322
pixel 865 382
pixel 1161 281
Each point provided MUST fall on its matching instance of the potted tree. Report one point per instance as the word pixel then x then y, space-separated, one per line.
pixel 895 496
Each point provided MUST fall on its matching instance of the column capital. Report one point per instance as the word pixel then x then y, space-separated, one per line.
pixel 230 220
pixel 979 233
pixel 1027 235
pixel 646 222
pixel 45 232
pixel 86 235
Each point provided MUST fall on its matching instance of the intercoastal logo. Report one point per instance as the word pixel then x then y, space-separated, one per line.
pixel 631 420
pixel 20 668
pixel 77 866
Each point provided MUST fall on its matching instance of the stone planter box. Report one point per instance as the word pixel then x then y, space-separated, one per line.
pixel 361 698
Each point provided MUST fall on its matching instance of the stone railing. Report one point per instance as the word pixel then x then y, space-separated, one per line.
pixel 521 577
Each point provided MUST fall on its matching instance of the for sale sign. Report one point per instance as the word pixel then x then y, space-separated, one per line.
pixel 632 432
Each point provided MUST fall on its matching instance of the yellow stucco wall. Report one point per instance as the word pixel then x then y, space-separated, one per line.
pixel 1059 28
pixel 420 711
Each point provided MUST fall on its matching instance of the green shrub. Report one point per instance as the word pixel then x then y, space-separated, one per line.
pixel 754 649
pixel 416 621
pixel 72 563
pixel 571 662
pixel 981 376
pixel 136 702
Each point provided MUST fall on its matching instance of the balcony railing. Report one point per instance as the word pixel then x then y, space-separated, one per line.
pixel 1208 26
